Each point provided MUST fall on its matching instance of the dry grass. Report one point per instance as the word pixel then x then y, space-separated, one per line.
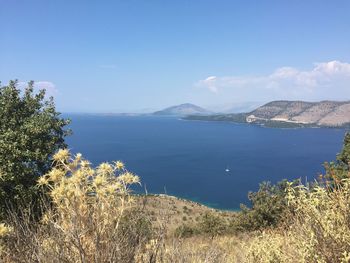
pixel 318 229
pixel 202 249
pixel 175 212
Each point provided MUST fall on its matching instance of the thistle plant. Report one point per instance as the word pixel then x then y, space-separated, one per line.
pixel 86 218
pixel 74 185
pixel 89 215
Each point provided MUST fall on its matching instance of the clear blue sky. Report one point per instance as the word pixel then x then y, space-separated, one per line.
pixel 110 56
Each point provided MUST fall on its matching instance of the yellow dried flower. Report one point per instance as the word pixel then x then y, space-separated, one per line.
pixel 78 156
pixel 45 219
pixel 105 169
pixel 99 180
pixel 56 174
pixel 4 230
pixel 129 178
pixel 85 164
pixel 119 165
pixel 42 181
pixel 62 155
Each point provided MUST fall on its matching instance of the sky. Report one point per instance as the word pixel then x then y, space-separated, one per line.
pixel 139 56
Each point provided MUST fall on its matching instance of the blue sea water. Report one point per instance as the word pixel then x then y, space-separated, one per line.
pixel 188 159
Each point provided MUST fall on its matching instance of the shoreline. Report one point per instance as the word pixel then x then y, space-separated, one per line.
pixel 165 196
pixel 280 125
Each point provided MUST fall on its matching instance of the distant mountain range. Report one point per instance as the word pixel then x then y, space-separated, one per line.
pixel 183 110
pixel 291 114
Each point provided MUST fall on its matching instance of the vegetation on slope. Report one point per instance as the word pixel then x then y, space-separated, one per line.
pixel 234 117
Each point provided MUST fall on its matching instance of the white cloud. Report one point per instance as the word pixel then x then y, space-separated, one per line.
pixel 210 83
pixel 327 80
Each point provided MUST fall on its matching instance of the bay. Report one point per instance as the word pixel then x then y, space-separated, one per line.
pixel 188 159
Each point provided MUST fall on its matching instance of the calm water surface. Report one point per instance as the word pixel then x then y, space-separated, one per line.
pixel 189 158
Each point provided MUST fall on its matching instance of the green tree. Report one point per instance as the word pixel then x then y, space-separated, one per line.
pixel 268 206
pixel 344 156
pixel 30 132
pixel 340 169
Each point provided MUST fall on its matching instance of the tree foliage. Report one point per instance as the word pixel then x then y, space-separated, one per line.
pixel 340 169
pixel 268 205
pixel 344 156
pixel 30 132
pixel 212 225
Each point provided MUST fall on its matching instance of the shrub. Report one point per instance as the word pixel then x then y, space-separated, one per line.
pixel 322 221
pixel 344 156
pixel 318 229
pixel 268 207
pixel 340 169
pixel 92 217
pixel 185 231
pixel 211 225
pixel 31 131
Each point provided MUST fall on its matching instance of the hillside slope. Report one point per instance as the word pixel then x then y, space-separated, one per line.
pixel 288 114
pixel 324 113
pixel 175 212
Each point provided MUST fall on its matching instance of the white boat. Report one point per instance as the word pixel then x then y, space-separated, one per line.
pixel 227 170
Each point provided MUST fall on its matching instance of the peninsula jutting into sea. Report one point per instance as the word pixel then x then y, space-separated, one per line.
pixel 289 114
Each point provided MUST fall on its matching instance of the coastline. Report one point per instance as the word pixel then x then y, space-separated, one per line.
pixel 266 124
pixel 187 200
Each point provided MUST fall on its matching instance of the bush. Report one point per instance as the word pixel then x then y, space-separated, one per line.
pixel 321 221
pixel 185 231
pixel 268 207
pixel 318 229
pixel 212 225
pixel 31 131
pixel 340 169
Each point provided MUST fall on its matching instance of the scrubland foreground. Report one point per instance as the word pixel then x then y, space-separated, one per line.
pixel 90 215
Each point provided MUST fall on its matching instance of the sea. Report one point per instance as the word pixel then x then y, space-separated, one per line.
pixel 213 163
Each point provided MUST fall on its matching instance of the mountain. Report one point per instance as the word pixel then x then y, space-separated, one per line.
pixel 292 114
pixel 324 113
pixel 183 110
